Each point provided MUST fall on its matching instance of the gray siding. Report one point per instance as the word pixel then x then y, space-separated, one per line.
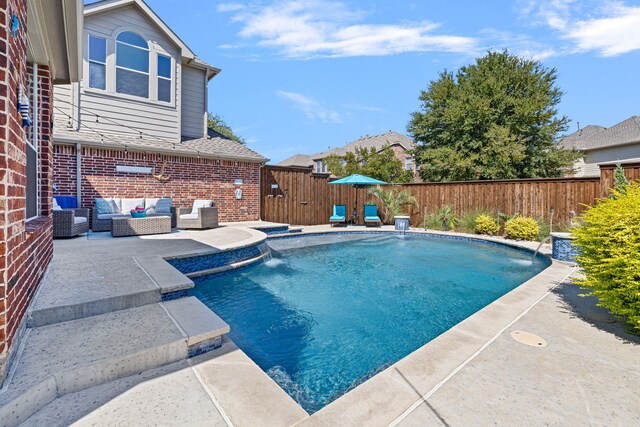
pixel 607 155
pixel 158 119
pixel 193 102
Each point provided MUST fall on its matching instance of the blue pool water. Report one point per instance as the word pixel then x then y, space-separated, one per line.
pixel 328 312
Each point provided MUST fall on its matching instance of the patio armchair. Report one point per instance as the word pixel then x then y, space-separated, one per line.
pixel 70 222
pixel 201 216
pixel 371 215
pixel 339 215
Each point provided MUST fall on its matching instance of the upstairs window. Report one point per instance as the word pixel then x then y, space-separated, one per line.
pixel 97 62
pixel 408 163
pixel 132 65
pixel 164 78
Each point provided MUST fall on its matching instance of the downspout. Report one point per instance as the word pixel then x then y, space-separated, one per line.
pixel 79 174
pixel 36 134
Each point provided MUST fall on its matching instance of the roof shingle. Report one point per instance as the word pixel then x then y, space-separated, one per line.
pixel 596 137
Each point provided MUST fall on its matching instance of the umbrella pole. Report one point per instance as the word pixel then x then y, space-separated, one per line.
pixel 355 207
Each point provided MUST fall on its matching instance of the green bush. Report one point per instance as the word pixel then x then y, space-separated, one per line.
pixel 608 244
pixel 447 218
pixel 467 223
pixel 486 225
pixel 521 228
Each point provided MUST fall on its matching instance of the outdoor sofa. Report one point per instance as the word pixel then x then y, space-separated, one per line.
pixel 107 208
pixel 202 215
pixel 69 222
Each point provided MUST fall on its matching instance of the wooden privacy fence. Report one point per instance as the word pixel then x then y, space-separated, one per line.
pixel 297 196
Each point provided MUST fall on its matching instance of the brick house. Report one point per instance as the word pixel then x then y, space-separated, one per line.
pixel 39 45
pixel 401 145
pixel 140 109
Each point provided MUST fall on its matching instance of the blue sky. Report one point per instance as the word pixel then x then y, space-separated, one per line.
pixel 302 76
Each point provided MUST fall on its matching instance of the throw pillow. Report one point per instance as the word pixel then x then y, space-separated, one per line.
pixel 163 206
pixel 56 206
pixel 104 206
pixel 201 204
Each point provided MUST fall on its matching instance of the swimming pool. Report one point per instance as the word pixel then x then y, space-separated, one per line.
pixel 328 312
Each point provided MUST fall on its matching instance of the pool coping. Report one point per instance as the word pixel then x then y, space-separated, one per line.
pixel 386 397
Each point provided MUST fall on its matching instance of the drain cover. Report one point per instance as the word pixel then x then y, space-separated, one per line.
pixel 528 338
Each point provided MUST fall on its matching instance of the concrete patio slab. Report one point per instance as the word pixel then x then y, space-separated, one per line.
pixel 196 320
pixel 85 352
pixel 247 394
pixel 167 396
pixel 586 375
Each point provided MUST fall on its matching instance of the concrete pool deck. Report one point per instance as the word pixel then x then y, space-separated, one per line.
pixel 475 373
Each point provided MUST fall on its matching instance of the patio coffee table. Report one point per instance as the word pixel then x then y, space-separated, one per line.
pixel 127 226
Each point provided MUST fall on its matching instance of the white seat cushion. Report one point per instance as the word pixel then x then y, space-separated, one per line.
pixel 79 220
pixel 201 204
pixel 189 216
pixel 129 204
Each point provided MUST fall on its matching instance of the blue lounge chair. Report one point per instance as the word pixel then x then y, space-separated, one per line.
pixel 371 215
pixel 339 214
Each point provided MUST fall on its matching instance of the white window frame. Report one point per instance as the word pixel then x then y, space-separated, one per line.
pixel 89 61
pixel 408 163
pixel 34 141
pixel 170 78
pixel 148 73
pixel 154 50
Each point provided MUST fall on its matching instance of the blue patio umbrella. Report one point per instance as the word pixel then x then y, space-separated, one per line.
pixel 357 180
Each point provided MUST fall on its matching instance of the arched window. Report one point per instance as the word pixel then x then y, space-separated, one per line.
pixel 132 64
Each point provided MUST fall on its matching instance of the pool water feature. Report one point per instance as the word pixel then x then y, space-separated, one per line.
pixel 326 313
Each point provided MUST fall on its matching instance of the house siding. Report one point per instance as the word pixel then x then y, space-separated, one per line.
pixel 110 112
pixel 26 247
pixel 591 159
pixel 193 102
pixel 191 178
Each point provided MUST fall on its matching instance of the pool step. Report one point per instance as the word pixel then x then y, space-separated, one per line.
pixel 295 229
pixel 74 355
pixel 79 291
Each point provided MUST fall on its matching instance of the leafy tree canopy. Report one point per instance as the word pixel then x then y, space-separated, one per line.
pixel 217 124
pixel 495 119
pixel 381 165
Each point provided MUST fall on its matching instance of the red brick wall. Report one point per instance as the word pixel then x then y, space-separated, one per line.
pixel 191 178
pixel 25 248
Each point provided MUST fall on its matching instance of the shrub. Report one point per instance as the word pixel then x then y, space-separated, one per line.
pixel 521 228
pixel 393 203
pixel 467 221
pixel 608 244
pixel 486 225
pixel 447 218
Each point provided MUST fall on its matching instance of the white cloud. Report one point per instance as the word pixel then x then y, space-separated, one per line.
pixel 610 28
pixel 310 107
pixel 229 7
pixel 612 35
pixel 316 28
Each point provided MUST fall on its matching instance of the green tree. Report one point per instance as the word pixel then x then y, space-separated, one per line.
pixel 620 180
pixel 217 124
pixel 495 119
pixel 382 165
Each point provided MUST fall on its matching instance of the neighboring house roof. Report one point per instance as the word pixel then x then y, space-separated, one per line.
pixel 297 160
pixel 214 145
pixel 376 141
pixel 598 137
pixel 575 140
pixel 187 54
